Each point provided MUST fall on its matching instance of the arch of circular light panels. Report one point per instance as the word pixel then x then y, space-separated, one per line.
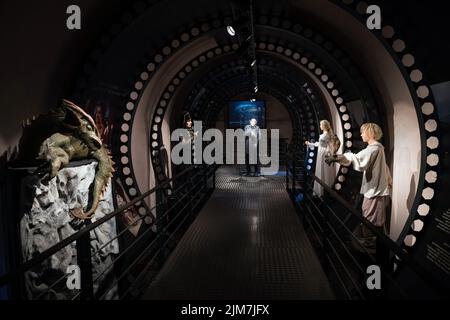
pixel 158 59
pixel 422 92
pixel 427 107
pixel 213 108
pixel 218 98
pixel 205 27
pixel 155 136
pixel 159 113
pixel 273 21
pixel 427 110
pixel 337 56
pixel 224 94
pixel 225 73
pixel 311 154
pixel 138 8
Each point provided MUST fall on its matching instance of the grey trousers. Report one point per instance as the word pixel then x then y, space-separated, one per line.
pixel 374 210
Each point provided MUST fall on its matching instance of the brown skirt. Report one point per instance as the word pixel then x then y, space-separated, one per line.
pixel 374 210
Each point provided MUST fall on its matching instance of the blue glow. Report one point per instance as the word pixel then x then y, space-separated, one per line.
pixel 299 197
pixel 241 112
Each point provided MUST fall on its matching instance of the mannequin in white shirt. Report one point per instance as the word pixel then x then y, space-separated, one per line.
pixel 377 182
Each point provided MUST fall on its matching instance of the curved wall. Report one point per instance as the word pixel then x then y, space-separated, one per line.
pixel 404 146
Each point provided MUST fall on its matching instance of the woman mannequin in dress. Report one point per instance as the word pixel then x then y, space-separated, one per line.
pixel 324 172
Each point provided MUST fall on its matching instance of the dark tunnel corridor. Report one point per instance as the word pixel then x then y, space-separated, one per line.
pixel 224 150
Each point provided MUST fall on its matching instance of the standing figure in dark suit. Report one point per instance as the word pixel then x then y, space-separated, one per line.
pixel 252 137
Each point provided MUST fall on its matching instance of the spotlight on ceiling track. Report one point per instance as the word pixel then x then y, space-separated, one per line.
pixel 256 89
pixel 253 63
pixel 231 31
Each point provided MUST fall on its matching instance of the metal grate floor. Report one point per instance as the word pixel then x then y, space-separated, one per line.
pixel 246 243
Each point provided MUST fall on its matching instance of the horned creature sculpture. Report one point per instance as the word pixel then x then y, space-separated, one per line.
pixel 66 133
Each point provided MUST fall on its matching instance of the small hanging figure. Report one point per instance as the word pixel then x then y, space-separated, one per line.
pixel 188 125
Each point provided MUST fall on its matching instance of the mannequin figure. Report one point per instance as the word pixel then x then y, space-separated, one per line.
pixel 326 173
pixel 252 131
pixel 377 182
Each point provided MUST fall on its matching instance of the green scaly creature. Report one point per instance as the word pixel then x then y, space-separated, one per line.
pixel 66 133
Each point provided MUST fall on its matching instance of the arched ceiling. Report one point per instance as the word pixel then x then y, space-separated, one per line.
pixel 140 66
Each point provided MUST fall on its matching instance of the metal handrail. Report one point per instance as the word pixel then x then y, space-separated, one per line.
pixel 143 253
pixel 127 249
pixel 6 278
pixel 346 249
pixel 142 218
pixel 402 254
pixel 383 238
pixel 330 244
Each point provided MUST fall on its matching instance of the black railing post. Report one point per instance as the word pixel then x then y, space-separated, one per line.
pixel 326 234
pixel 192 192
pixel 382 259
pixel 13 280
pixel 287 173
pixel 205 181
pixel 214 178
pixel 160 223
pixel 293 175
pixel 84 258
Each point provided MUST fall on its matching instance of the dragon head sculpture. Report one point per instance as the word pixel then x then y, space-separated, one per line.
pixel 81 125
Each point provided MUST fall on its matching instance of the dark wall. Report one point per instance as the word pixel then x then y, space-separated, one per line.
pixel 40 58
pixel 424 27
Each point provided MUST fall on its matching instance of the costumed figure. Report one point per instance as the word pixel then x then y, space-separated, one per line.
pixel 327 145
pixel 188 125
pixel 377 182
pixel 253 135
